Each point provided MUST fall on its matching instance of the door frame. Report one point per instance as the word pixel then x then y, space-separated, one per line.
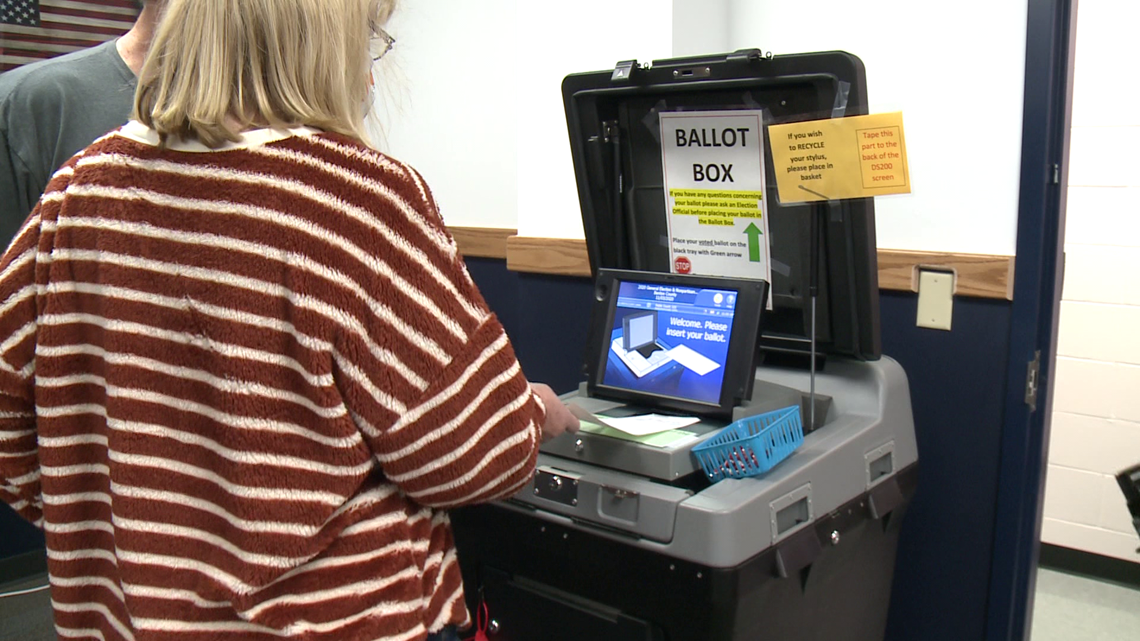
pixel 1050 45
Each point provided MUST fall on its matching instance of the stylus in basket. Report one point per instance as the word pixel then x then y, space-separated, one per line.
pixel 752 445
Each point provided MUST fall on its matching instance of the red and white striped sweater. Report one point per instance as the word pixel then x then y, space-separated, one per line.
pixel 238 387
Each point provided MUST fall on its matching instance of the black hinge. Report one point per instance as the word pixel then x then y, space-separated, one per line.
pixel 1032 372
pixel 748 55
pixel 623 71
pixel 1056 174
pixel 611 132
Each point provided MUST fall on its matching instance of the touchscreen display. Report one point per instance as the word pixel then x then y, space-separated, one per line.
pixel 670 340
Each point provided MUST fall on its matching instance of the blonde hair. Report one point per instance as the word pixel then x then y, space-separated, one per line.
pixel 217 67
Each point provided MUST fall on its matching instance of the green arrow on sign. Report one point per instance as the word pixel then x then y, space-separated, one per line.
pixel 754 235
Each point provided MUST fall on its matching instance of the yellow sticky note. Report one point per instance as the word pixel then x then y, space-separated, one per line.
pixel 853 157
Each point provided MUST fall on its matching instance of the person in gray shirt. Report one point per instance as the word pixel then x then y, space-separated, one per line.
pixel 52 109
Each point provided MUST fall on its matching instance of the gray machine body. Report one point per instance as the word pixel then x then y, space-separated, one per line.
pixel 619 489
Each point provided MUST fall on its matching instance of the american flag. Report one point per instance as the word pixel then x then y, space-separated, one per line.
pixel 32 30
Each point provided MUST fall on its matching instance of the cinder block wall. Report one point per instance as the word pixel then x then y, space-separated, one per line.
pixel 1096 406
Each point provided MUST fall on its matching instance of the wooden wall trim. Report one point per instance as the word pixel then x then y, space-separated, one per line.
pixel 976 275
pixel 561 256
pixel 482 242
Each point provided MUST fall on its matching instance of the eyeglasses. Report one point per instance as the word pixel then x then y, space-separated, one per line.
pixel 381 44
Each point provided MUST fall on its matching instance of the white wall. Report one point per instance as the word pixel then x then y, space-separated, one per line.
pixel 1096 409
pixel 700 27
pixel 558 39
pixel 956 71
pixel 472 98
pixel 479 108
pixel 447 100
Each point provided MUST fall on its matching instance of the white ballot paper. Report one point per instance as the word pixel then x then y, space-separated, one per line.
pixel 642 425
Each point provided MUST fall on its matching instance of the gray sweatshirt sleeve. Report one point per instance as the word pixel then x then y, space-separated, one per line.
pixel 19 190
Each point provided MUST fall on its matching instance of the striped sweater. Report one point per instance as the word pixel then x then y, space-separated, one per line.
pixel 239 388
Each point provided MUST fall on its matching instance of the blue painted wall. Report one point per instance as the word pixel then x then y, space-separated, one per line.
pixel 17 536
pixel 545 316
pixel 957 385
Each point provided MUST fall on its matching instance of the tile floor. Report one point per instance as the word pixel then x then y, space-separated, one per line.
pixel 1070 607
pixel 26 615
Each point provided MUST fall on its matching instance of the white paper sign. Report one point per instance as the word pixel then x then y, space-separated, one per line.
pixel 714 189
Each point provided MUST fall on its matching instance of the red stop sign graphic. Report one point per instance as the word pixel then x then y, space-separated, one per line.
pixel 682 265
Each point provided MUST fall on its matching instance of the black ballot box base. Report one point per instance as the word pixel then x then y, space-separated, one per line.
pixel 546 579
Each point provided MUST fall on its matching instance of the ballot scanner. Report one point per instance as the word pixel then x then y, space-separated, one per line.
pixel 622 536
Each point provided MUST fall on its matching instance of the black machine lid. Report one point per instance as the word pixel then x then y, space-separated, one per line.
pixel 613 119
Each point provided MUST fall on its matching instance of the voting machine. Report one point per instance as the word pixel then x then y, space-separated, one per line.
pixel 715 299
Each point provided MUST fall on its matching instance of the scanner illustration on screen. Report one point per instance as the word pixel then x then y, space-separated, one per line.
pixel 642 352
pixel 639 332
pixel 638 346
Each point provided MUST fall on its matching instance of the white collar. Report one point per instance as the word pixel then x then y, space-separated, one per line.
pixel 139 132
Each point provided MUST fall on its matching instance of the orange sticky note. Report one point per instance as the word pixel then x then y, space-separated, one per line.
pixel 837 158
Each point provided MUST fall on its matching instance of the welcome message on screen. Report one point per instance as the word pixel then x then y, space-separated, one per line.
pixel 693 330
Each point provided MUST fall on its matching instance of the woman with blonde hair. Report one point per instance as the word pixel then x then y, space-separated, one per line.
pixel 243 370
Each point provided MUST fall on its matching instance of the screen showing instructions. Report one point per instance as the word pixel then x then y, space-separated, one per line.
pixel 670 340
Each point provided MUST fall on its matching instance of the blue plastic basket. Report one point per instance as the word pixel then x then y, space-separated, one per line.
pixel 751 446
